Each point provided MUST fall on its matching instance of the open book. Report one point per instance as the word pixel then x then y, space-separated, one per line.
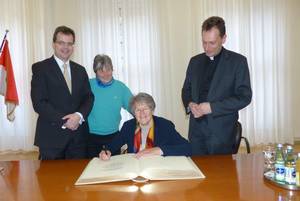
pixel 127 167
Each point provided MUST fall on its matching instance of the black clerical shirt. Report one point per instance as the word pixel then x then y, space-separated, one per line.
pixel 210 68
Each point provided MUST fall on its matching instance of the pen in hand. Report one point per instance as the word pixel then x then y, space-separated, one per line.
pixel 105 153
pixel 104 149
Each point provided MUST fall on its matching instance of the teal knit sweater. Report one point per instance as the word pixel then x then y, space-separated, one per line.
pixel 105 116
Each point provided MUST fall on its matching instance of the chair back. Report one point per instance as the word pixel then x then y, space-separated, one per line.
pixel 238 138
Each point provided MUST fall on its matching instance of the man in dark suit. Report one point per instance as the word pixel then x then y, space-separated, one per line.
pixel 216 87
pixel 62 97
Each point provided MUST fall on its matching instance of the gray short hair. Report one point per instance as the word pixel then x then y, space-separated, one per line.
pixel 102 61
pixel 142 98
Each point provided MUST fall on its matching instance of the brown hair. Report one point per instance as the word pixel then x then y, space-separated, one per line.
pixel 65 30
pixel 214 21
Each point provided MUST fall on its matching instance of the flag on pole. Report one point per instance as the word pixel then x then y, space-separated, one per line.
pixel 7 82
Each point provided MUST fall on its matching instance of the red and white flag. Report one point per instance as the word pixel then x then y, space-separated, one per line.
pixel 7 82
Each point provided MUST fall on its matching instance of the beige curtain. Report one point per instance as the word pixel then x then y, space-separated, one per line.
pixel 151 42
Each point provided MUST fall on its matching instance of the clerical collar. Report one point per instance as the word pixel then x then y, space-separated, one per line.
pixel 107 84
pixel 216 56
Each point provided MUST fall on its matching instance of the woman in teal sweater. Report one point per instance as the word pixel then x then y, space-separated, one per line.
pixel 110 96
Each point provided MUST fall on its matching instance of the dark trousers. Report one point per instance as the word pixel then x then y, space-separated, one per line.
pixel 97 142
pixel 71 151
pixel 205 142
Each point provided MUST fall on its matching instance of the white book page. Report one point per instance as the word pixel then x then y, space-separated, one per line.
pixel 169 168
pixel 118 168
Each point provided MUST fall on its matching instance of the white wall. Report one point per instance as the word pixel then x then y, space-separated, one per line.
pixel 179 53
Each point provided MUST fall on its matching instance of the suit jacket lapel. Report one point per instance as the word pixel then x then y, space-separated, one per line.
pixel 218 75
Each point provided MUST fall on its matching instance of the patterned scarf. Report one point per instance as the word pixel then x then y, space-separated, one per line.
pixel 138 137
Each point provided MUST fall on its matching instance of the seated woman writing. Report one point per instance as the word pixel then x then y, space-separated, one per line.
pixel 147 134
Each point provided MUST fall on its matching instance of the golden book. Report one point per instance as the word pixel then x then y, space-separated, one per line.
pixel 128 167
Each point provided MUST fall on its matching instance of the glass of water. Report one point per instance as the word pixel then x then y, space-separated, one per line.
pixel 269 157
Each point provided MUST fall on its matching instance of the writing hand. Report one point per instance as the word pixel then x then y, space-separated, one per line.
pixel 105 155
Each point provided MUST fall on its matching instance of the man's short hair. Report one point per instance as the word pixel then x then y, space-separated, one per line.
pixel 65 30
pixel 214 21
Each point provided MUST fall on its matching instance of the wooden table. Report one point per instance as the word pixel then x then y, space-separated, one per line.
pixel 236 177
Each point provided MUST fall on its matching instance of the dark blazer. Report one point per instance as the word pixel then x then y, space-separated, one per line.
pixel 230 91
pixel 165 137
pixel 52 100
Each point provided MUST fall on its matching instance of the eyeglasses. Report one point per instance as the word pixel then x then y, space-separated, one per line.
pixel 144 110
pixel 63 43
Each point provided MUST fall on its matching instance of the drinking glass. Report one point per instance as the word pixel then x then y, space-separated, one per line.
pixel 269 157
